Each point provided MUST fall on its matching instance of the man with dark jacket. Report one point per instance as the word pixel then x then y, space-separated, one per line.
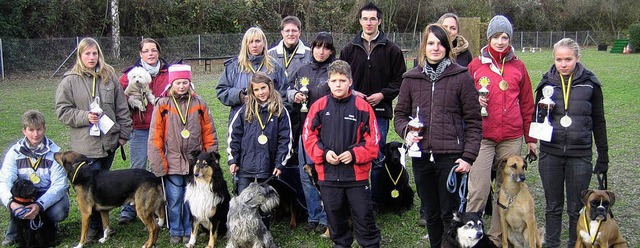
pixel 377 65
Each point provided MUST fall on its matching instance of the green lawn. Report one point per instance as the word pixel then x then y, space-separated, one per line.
pixel 617 72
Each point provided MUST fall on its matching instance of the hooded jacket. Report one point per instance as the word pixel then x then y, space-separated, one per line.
pixel 586 111
pixel 449 109
pixel 142 120
pixel 301 57
pixel 379 71
pixel 168 151
pixel 17 165
pixel 510 111
pixel 73 98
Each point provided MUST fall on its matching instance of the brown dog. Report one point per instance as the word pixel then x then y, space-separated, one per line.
pixel 596 226
pixel 515 204
pixel 105 190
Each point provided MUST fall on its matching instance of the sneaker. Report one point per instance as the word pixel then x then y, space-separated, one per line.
pixel 422 222
pixel 124 221
pixel 321 228
pixel 175 239
pixel 310 226
pixel 185 239
pixel 8 241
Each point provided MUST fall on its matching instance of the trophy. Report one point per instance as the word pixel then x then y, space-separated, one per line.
pixel 305 91
pixel 483 92
pixel 546 102
pixel 543 130
pixel 415 127
pixel 94 108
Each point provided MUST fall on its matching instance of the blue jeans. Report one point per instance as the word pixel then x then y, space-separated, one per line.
pixel 55 213
pixel 377 167
pixel 179 216
pixel 138 160
pixel 556 173
pixel 95 221
pixel 311 195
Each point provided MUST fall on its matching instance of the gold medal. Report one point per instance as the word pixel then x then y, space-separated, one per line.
pixel 504 85
pixel 395 193
pixel 565 121
pixel 262 139
pixel 34 178
pixel 185 133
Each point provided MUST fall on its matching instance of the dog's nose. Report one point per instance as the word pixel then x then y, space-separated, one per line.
pixel 522 178
pixel 479 235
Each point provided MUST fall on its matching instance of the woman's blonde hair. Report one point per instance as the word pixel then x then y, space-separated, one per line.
pixel 567 43
pixel 243 57
pixel 102 69
pixel 274 100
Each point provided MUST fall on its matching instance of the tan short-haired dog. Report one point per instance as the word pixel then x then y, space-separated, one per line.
pixel 515 203
pixel 596 226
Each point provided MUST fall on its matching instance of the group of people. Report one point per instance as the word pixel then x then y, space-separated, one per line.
pixel 333 114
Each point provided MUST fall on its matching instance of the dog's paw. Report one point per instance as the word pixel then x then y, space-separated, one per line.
pixel 78 246
pixel 160 222
pixel 189 245
pixel 102 240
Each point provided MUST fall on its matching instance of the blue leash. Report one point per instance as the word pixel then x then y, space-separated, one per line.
pixel 452 185
pixel 21 211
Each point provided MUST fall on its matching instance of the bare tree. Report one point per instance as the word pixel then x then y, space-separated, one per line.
pixel 115 28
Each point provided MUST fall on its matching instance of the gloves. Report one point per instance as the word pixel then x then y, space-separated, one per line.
pixel 600 168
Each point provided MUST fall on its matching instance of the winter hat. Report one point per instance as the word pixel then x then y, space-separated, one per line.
pixel 499 24
pixel 179 71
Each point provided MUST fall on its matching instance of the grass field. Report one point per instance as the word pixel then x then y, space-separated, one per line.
pixel 617 72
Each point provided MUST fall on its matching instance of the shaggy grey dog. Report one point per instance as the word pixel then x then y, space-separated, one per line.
pixel 244 221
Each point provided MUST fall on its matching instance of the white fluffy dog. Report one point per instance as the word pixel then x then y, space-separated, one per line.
pixel 138 89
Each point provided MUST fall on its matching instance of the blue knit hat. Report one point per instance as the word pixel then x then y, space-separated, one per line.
pixel 499 24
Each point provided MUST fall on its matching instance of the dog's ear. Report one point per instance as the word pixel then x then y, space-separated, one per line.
pixel 499 165
pixel 195 154
pixel 456 216
pixel 612 197
pixel 58 157
pixel 585 196
pixel 216 156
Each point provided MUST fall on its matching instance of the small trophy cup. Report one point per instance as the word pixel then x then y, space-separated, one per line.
pixel 94 108
pixel 305 91
pixel 415 127
pixel 483 92
pixel 546 102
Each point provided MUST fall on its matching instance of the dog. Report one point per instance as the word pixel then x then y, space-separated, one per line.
pixel 244 221
pixel 516 204
pixel 395 194
pixel 138 89
pixel 31 233
pixel 289 189
pixel 208 196
pixel 104 190
pixel 596 226
pixel 466 231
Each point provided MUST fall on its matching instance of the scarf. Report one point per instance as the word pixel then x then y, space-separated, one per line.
pixel 151 69
pixel 498 56
pixel 460 45
pixel 435 74
pixel 33 151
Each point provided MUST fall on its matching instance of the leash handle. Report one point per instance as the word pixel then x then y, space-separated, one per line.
pixel 602 181
pixel 124 156
pixel 452 182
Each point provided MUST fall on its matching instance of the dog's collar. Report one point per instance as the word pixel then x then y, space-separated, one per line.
pixel 509 201
pixel 586 225
pixel 22 200
pixel 75 173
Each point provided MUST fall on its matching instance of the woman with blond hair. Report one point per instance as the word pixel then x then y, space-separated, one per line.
pixel 460 45
pixel 90 93
pixel 253 57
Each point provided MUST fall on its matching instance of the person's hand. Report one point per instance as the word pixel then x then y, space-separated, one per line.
pixel 93 118
pixel 34 210
pixel 483 101
pixel 359 94
pixel 332 158
pixel 374 99
pixel 233 168
pixel 122 141
pixel 532 147
pixel 412 138
pixel 463 166
pixel 345 157
pixel 299 97
pixel 600 168
pixel 277 172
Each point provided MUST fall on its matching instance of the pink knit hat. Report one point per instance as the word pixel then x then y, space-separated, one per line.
pixel 179 71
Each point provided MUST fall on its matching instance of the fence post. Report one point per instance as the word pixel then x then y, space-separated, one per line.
pixel 199 51
pixel 1 59
pixel 577 40
pixel 521 39
pixel 537 39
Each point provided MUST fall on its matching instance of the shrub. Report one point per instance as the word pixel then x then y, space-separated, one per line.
pixel 634 37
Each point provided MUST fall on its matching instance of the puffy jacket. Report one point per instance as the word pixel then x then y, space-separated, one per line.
pixel 142 120
pixel 510 111
pixel 302 56
pixel 449 109
pixel 17 165
pixel 253 159
pixel 341 125
pixel 73 98
pixel 233 81
pixel 586 111
pixel 168 151
pixel 379 71
pixel 316 74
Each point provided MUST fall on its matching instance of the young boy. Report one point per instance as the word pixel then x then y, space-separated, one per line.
pixel 341 137
pixel 32 159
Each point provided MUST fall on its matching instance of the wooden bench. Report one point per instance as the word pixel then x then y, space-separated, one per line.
pixel 207 60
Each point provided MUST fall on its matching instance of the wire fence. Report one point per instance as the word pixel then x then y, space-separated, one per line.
pixel 58 54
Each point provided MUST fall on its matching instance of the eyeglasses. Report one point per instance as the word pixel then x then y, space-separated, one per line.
pixel 366 19
pixel 150 51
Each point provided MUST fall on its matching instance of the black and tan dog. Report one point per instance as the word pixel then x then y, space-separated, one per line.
pixel 208 197
pixel 515 203
pixel 596 226
pixel 104 190
pixel 395 194
pixel 31 233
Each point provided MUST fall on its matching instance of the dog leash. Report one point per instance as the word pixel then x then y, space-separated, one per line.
pixel 602 181
pixel 452 182
pixel 20 212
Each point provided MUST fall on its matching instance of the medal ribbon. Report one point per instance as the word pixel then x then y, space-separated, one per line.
pixel 565 91
pixel 391 177
pixel 183 118
pixel 586 225
pixel 93 88
pixel 36 164
pixel 287 62
pixel 259 67
pixel 260 120
pixel 503 60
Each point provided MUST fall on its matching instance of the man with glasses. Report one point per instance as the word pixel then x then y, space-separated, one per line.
pixel 377 65
pixel 291 52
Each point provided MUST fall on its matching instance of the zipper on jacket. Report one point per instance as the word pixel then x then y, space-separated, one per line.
pixel 433 88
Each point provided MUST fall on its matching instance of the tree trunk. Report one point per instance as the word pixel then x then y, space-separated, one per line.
pixel 115 28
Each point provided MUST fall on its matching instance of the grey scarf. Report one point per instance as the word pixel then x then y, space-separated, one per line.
pixel 152 70
pixel 435 74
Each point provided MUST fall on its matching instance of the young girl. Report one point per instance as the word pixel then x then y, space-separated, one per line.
pixel 181 123
pixel 259 135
